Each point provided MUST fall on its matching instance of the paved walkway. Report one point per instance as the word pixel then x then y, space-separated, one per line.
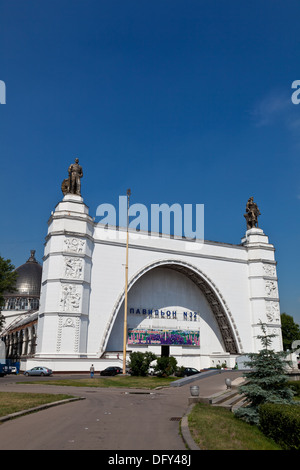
pixel 111 419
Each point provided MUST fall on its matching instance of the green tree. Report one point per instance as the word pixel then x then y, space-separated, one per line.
pixel 8 277
pixel 290 331
pixel 139 362
pixel 266 381
pixel 165 366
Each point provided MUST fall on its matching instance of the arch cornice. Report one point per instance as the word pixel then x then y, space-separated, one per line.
pixel 223 316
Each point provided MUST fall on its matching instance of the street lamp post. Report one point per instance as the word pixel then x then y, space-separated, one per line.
pixel 126 288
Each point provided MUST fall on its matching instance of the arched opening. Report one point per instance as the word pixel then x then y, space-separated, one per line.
pixel 174 286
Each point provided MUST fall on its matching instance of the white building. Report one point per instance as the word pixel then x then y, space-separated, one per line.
pixel 20 310
pixel 201 302
pixel 202 306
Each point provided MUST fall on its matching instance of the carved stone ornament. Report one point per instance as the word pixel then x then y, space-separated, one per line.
pixel 73 267
pixel 70 298
pixel 272 311
pixel 74 245
pixel 270 270
pixel 272 331
pixel 69 322
pixel 271 289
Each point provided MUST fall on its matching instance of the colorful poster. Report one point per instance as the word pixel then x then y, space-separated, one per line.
pixel 164 337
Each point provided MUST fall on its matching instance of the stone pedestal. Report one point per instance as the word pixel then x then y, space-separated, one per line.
pixel 263 285
pixel 64 310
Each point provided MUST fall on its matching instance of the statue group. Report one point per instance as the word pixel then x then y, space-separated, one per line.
pixel 252 213
pixel 72 184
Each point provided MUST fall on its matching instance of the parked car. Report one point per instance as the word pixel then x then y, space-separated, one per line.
pixel 111 371
pixel 151 370
pixel 4 369
pixel 187 371
pixel 13 370
pixel 38 371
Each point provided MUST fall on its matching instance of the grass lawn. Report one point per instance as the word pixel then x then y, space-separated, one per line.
pixel 127 381
pixel 216 428
pixel 12 402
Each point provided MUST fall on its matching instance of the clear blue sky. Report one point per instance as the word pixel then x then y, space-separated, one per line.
pixel 182 101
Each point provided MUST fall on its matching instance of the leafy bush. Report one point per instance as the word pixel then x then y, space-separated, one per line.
pixel 295 386
pixel 281 423
pixel 165 366
pixel 139 362
pixel 222 366
pixel 180 371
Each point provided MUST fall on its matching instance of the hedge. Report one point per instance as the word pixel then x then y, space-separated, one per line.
pixel 281 423
pixel 295 386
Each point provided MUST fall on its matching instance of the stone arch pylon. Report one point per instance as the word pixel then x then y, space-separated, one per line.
pixel 223 316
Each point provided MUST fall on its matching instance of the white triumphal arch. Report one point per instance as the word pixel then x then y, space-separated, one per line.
pixel 200 301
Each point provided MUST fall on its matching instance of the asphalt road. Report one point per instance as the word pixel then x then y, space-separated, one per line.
pixel 106 419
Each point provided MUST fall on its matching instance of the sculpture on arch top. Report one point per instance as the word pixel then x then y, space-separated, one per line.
pixel 252 213
pixel 72 184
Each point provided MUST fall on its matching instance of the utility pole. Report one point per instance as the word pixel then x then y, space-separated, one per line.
pixel 126 288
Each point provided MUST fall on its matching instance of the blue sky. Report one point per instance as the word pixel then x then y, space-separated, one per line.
pixel 182 101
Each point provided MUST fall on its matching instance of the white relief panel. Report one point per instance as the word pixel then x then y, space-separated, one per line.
pixel 74 245
pixel 69 322
pixel 73 268
pixel 70 298
pixel 272 311
pixel 270 270
pixel 68 335
pixel 271 289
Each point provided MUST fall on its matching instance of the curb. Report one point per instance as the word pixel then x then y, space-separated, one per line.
pixel 185 431
pixel 201 375
pixel 38 408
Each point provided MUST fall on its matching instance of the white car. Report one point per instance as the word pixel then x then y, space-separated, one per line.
pixel 151 370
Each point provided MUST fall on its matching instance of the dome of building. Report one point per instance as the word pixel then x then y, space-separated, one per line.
pixel 28 287
pixel 29 277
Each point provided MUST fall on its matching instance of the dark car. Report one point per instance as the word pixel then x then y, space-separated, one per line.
pixel 111 371
pixel 187 371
